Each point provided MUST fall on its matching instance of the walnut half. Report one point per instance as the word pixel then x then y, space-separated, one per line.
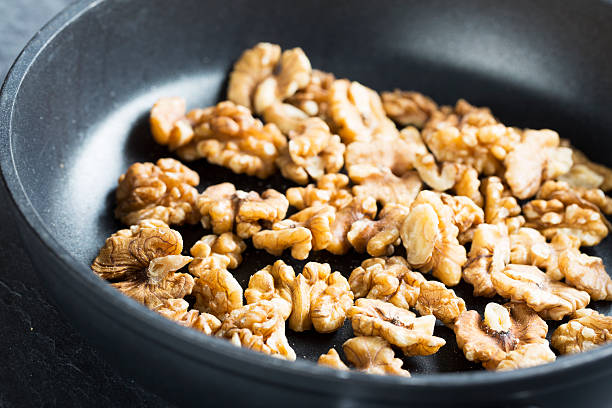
pixel 587 330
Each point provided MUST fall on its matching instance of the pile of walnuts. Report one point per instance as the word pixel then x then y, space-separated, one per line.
pixel 453 193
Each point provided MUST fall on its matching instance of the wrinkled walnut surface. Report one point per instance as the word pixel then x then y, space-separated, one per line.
pixel 408 108
pixel 384 186
pixel 228 244
pixel 216 290
pixel 437 300
pixel 379 237
pixel 178 310
pixel 585 331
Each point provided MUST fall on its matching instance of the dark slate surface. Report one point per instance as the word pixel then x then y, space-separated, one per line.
pixel 43 360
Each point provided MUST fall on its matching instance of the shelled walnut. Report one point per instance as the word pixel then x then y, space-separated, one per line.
pixel 216 290
pixel 440 177
pixel 560 210
pixel 284 235
pixel 585 173
pixel 399 326
pixel 223 208
pixel 594 196
pixel 500 207
pixel 585 331
pixel 228 135
pixel 511 336
pixel 490 252
pixel 437 300
pixel 258 326
pixel 313 99
pixel 466 214
pixel 408 107
pixel 330 189
pixel 142 262
pixel 384 186
pixel 430 237
pixel 371 355
pixel 387 279
pixel 357 112
pixel 318 219
pixel 169 125
pixel 551 299
pixel 274 283
pixel 320 299
pixel 178 311
pixel 468 185
pixel 586 273
pixel 164 191
pixel 263 75
pixel 359 208
pixel 312 152
pixel 228 244
pixel 379 237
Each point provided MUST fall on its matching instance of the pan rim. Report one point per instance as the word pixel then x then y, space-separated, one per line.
pixel 172 336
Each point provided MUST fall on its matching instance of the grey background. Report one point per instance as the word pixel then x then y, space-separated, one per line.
pixel 43 360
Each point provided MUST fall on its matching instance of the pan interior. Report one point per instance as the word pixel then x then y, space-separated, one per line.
pixel 81 114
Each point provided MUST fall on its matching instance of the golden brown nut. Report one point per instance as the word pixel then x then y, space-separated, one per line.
pixel 228 135
pixel 357 112
pixel 435 299
pixel 538 157
pixel 379 237
pixel 286 117
pixel 430 237
pixel 400 327
pixel 408 108
pixel 166 112
pixel 586 273
pixel 178 310
pixel 258 326
pixel 263 76
pixel 163 191
pixel 469 135
pixel 359 208
pixel 585 173
pixel 551 299
pixel 466 214
pixel 396 152
pixel 373 355
pixel 384 186
pixel 468 185
pixel 273 283
pixel 216 290
pixel 312 152
pixel 500 341
pixel 313 99
pixel 387 279
pixel 500 207
pixel 228 244
pixel 490 252
pixel 320 299
pixel 332 359
pixel 330 189
pixel 142 262
pixel 439 177
pixel 284 235
pixel 223 207
pixel 560 210
pixel 587 330
pixel 318 219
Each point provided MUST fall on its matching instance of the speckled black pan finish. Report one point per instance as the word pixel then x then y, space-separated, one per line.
pixel 73 117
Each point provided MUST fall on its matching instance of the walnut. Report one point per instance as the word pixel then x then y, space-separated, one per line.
pixel 228 135
pixel 490 252
pixel 379 237
pixel 216 290
pixel 435 299
pixel 468 185
pixel 430 237
pixel 330 189
pixel 397 152
pixel 164 191
pixel 439 178
pixel 559 209
pixel 587 330
pixel 387 279
pixel 466 214
pixel 332 359
pixel 312 152
pixel 538 157
pixel 314 98
pixel 283 235
pixel 359 208
pixel 384 186
pixel 586 273
pixel 273 283
pixel 526 283
pixel 223 207
pixel 318 219
pixel 585 173
pixel 286 117
pixel 227 244
pixel 142 262
pixel 178 310
pixel 167 119
pixel 373 355
pixel 320 299
pixel 400 327
pixel 408 108
pixel 357 112
pixel 500 206
pixel 258 326
pixel 505 338
pixel 263 76
pixel 469 135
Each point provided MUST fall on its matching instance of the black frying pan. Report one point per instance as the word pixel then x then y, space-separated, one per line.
pixel 73 115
